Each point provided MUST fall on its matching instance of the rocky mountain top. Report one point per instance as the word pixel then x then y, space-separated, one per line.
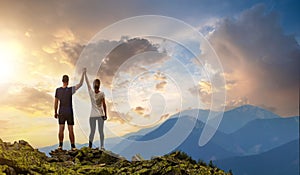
pixel 21 158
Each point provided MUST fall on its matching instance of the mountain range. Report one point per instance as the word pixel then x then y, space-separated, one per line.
pixel 245 133
pixel 278 161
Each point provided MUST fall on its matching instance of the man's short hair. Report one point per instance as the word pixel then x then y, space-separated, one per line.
pixel 65 79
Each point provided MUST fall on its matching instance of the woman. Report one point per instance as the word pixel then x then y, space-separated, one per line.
pixel 98 111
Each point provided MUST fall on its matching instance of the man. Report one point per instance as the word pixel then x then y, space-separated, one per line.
pixel 63 96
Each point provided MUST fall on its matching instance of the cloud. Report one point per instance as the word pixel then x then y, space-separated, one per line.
pixel 27 99
pixel 72 51
pixel 123 118
pixel 159 76
pixel 163 117
pixel 144 112
pixel 233 103
pixel 122 55
pixel 205 86
pixel 161 86
pixel 64 46
pixel 204 91
pixel 122 84
pixel 139 110
pixel 115 116
pixel 126 58
pixel 50 46
pixel 261 62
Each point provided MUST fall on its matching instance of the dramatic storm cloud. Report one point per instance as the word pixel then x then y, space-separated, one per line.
pixel 261 63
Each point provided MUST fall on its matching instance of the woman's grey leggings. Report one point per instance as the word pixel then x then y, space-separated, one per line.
pixel 93 121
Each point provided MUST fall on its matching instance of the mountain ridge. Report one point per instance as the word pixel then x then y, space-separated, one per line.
pixel 137 136
pixel 254 138
pixel 21 158
pixel 280 160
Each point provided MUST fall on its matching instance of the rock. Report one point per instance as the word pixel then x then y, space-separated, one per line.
pixel 4 161
pixel 101 164
pixel 61 155
pixel 8 170
pixel 25 144
pixel 16 146
pixel 52 159
pixel 137 157
pixel 6 145
pixel 22 142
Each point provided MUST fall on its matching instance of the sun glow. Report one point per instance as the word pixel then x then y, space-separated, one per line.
pixel 8 56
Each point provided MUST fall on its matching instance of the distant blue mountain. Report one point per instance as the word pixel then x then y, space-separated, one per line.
pixel 244 131
pixel 261 135
pixel 263 131
pixel 210 151
pixel 127 139
pixel 278 161
pixel 255 137
pixel 157 148
pixel 200 114
pixel 233 119
pixel 237 118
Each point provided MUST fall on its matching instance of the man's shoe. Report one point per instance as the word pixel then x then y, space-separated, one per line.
pixel 90 144
pixel 74 149
pixel 59 148
pixel 102 148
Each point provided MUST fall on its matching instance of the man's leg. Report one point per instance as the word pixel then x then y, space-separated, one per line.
pixel 70 122
pixel 71 135
pixel 61 134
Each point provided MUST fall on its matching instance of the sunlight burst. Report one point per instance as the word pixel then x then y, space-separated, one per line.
pixel 8 57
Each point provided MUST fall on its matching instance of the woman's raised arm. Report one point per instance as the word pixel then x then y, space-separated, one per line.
pixel 87 82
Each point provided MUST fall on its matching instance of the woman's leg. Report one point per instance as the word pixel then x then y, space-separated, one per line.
pixel 92 133
pixel 101 132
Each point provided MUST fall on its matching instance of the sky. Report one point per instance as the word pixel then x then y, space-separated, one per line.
pixel 145 79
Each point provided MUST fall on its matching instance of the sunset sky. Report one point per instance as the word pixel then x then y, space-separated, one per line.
pixel 257 43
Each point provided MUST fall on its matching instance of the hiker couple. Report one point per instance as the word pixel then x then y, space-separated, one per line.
pixel 63 99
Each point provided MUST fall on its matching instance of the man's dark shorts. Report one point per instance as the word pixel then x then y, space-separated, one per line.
pixel 63 118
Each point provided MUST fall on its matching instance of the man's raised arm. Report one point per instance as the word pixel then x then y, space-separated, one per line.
pixel 81 80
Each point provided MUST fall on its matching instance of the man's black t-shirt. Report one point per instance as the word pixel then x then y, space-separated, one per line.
pixel 65 100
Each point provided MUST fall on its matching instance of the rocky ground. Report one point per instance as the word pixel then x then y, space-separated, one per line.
pixel 21 158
